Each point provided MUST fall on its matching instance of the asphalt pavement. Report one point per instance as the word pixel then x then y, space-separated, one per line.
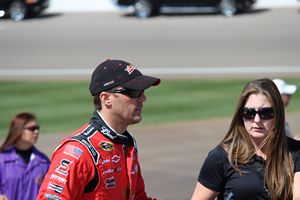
pixel 264 38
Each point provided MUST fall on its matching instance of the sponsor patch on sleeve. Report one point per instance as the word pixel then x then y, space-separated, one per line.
pixel 64 166
pixel 56 188
pixel 51 197
pixel 73 151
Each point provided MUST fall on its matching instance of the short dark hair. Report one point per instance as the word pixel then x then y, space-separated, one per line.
pixel 97 102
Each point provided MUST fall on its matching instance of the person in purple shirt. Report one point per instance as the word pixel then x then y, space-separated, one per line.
pixel 22 165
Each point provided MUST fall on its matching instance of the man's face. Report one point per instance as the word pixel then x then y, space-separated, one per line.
pixel 128 109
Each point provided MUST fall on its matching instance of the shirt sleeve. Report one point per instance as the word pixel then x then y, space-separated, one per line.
pixel 69 173
pixel 212 172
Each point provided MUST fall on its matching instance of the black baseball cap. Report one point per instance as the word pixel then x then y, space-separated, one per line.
pixel 112 73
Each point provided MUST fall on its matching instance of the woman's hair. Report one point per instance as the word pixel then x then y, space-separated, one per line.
pixel 16 127
pixel 240 147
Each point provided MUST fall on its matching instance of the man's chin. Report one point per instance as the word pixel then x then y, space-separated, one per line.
pixel 136 120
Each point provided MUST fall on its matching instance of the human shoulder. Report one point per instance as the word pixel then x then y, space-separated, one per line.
pixel 75 140
pixel 216 160
pixel 8 154
pixel 297 161
pixel 72 149
pixel 218 152
pixel 293 145
pixel 213 170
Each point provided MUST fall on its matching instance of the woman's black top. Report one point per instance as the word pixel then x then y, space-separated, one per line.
pixel 218 175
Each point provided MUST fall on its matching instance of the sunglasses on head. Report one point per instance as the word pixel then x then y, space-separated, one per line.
pixel 265 113
pixel 32 128
pixel 129 92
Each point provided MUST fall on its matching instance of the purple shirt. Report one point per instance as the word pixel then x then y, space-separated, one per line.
pixel 18 180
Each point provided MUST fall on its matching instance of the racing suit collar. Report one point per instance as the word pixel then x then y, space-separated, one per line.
pixel 98 122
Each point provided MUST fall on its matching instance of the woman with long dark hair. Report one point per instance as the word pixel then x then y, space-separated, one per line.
pixel 22 165
pixel 253 161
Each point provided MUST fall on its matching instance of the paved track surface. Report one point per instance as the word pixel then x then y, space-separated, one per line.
pixel 171 154
pixel 263 38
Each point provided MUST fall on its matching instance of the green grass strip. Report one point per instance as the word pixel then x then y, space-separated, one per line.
pixel 65 106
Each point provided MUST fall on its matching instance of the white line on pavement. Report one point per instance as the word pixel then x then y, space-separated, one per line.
pixel 162 71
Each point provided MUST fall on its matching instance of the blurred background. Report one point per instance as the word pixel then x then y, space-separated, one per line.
pixel 203 58
pixel 107 5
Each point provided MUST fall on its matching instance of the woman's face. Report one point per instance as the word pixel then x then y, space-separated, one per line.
pixel 259 125
pixel 29 135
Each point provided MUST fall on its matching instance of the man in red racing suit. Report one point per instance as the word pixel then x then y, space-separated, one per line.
pixel 100 161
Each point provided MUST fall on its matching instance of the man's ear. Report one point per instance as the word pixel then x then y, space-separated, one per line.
pixel 106 98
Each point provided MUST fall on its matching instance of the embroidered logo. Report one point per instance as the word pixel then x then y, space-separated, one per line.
pixel 118 169
pixel 110 182
pixel 51 197
pixel 56 188
pixel 58 179
pixel 106 146
pixel 108 83
pixel 130 68
pixel 73 151
pixel 115 158
pixel 63 168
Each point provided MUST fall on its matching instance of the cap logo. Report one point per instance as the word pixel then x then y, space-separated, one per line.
pixel 108 83
pixel 130 68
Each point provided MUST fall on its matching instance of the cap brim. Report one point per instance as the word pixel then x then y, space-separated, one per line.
pixel 142 82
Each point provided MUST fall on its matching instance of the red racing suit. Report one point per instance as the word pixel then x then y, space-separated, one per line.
pixel 95 163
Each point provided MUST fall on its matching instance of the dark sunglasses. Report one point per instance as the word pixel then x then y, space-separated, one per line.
pixel 129 92
pixel 264 113
pixel 32 128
